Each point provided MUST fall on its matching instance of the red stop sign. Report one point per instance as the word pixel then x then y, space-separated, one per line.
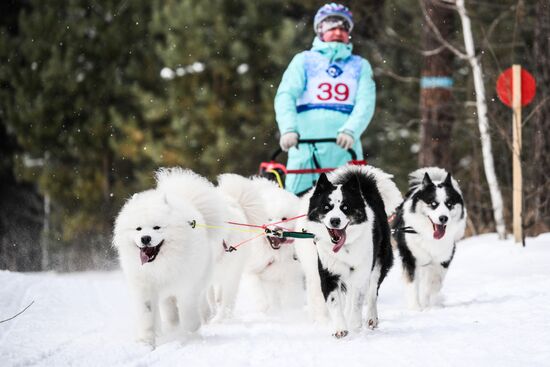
pixel 505 84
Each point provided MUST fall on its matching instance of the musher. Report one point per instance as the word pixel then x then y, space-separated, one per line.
pixel 325 92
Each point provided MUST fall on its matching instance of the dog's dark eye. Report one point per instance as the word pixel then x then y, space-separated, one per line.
pixel 434 204
pixel 138 229
pixel 156 228
pixel 284 218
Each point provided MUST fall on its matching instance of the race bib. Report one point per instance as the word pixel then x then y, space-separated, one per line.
pixel 330 86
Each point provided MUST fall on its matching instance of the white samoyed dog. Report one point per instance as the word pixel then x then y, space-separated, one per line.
pixel 244 206
pixel 170 240
pixel 273 271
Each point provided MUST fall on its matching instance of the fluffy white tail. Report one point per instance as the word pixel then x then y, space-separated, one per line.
pixel 245 192
pixel 196 190
pixel 388 189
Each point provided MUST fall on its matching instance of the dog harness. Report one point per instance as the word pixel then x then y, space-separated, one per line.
pixel 262 230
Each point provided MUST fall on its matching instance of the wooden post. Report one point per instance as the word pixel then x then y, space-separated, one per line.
pixel 516 154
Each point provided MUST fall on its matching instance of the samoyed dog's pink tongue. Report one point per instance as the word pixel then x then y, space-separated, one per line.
pixel 337 237
pixel 148 254
pixel 439 231
pixel 143 255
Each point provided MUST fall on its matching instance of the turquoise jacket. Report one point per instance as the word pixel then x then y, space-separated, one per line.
pixel 321 123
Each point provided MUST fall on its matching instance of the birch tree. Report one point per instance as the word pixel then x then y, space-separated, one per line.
pixel 481 107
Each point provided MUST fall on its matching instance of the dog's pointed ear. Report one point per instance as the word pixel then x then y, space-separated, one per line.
pixel 323 183
pixel 427 181
pixel 448 181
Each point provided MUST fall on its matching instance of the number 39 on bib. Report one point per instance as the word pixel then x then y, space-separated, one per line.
pixel 328 91
pixel 329 86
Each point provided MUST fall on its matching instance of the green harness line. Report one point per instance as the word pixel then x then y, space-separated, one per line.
pixel 260 230
pixel 288 234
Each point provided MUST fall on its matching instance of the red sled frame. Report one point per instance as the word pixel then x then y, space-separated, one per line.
pixel 277 168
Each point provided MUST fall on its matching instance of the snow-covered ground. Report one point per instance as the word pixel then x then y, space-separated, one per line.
pixel 496 313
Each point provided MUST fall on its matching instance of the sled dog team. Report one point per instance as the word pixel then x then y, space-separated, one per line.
pixel 172 243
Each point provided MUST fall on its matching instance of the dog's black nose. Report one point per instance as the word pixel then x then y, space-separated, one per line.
pixel 145 240
pixel 443 219
pixel 335 222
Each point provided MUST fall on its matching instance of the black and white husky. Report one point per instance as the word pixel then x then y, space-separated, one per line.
pixel 426 227
pixel 348 214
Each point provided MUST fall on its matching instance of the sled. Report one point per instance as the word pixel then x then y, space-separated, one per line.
pixel 277 171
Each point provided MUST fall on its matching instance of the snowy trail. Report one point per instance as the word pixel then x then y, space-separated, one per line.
pixel 497 312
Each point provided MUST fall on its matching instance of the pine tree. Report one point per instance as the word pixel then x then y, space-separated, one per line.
pixel 21 214
pixel 227 59
pixel 74 77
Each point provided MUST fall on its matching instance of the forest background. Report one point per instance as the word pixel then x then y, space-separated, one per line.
pixel 96 95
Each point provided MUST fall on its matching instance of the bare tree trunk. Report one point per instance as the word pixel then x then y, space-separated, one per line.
pixel 542 117
pixel 481 104
pixel 437 115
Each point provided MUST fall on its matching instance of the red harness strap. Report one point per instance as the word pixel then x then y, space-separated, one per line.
pixel 263 226
pixel 234 247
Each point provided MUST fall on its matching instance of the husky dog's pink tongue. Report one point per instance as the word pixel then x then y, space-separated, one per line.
pixel 439 230
pixel 337 237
